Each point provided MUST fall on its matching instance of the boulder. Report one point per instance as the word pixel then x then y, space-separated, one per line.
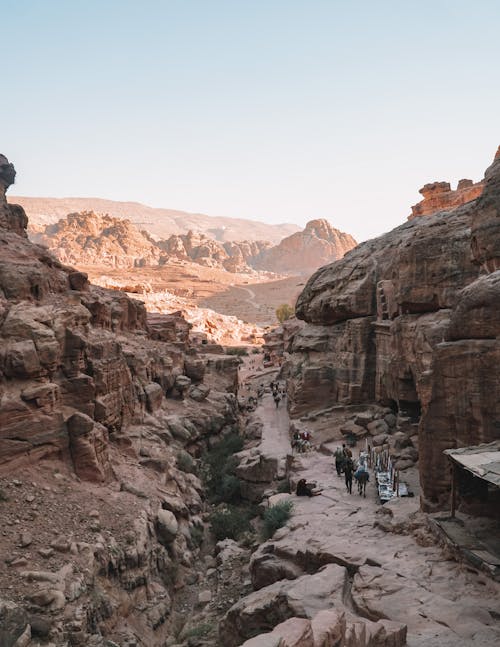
pixel 14 625
pixel 328 628
pixel 351 428
pixel 264 609
pixel 295 632
pixel 182 384
pixel 379 440
pixel 154 396
pixel 167 526
pixel 377 427
pixel 199 392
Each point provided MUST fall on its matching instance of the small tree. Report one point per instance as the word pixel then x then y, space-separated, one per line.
pixel 284 312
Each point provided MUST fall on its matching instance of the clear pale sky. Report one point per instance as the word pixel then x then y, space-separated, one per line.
pixel 275 110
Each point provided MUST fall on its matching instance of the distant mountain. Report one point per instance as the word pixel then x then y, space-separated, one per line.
pixel 161 223
pixel 305 251
pixel 90 239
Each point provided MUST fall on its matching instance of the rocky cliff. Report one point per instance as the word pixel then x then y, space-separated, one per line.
pixel 303 252
pixel 411 320
pixel 97 403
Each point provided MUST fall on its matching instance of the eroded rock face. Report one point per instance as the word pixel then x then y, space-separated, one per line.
pixel 96 404
pixel 438 196
pixel 411 320
pixel 485 224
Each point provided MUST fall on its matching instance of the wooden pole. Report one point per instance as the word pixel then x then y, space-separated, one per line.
pixel 453 490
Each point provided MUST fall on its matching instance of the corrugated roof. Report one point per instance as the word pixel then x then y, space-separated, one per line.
pixel 482 460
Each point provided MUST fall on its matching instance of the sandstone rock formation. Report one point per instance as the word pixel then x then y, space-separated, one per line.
pixel 95 405
pixel 305 251
pixel 242 254
pixel 438 196
pixel 232 256
pixel 87 238
pixel 410 320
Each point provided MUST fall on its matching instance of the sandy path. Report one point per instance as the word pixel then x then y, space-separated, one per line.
pixel 275 435
pixel 402 575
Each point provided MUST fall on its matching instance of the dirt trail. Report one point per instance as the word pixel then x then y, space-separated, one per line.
pixel 251 300
pixel 275 435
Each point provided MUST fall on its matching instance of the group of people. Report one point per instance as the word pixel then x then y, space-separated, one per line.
pixel 278 391
pixel 301 441
pixel 344 464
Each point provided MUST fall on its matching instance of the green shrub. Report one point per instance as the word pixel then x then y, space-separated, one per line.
pixel 199 631
pixel 186 463
pixel 275 517
pixel 230 488
pixel 256 351
pixel 218 470
pixel 240 351
pixel 284 312
pixel 196 534
pixel 229 522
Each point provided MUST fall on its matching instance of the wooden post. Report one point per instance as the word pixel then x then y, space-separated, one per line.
pixel 453 489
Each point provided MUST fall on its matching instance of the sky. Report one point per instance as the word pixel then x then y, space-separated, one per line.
pixel 272 110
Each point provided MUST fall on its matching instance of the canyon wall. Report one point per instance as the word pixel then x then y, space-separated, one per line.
pixel 411 320
pixel 98 401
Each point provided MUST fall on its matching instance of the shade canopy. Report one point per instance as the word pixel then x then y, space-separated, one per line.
pixel 481 460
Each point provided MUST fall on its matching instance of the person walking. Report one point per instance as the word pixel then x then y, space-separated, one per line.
pixel 348 470
pixel 339 460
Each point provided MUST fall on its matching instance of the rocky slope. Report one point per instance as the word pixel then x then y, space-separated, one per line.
pixel 411 320
pixel 205 323
pixel 97 402
pixel 305 251
pixel 160 222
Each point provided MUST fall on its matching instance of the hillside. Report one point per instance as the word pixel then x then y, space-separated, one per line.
pixel 159 222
